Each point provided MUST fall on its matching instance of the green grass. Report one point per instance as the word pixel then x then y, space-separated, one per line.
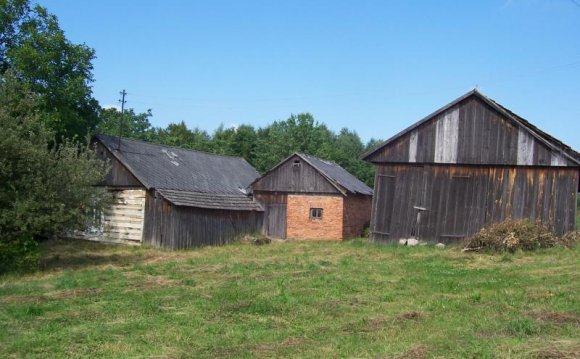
pixel 292 299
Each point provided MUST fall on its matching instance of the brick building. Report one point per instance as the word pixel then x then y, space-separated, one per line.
pixel 306 197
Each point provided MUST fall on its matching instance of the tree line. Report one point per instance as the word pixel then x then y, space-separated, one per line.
pixel 48 173
pixel 262 147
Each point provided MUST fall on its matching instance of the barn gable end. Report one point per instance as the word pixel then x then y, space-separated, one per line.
pixel 474 130
pixel 295 175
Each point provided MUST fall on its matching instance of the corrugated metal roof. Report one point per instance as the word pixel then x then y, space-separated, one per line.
pixel 339 175
pixel 210 200
pixel 170 168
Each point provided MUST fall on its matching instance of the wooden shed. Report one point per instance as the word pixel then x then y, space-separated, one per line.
pixel 306 197
pixel 469 164
pixel 175 198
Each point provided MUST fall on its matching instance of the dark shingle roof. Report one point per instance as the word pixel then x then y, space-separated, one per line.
pixel 210 200
pixel 179 170
pixel 337 174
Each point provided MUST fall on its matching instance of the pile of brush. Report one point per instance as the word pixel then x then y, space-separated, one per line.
pixel 513 235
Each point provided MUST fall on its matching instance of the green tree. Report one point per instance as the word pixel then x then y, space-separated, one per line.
pixel 45 189
pixel 35 49
pixel 135 125
pixel 177 134
pixel 299 133
pixel 235 141
pixel 346 150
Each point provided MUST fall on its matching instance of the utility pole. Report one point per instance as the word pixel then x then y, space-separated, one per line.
pixel 122 101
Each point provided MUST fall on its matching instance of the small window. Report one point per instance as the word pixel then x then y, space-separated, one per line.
pixel 296 164
pixel 315 213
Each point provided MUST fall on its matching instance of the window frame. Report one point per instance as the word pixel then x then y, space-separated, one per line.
pixel 316 213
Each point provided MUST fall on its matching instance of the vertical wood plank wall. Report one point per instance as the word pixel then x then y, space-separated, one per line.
pixel 460 200
pixel 178 227
pixel 119 175
pixel 275 222
pixel 471 132
pixel 294 176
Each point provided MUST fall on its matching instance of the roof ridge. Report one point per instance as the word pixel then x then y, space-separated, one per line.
pixel 170 146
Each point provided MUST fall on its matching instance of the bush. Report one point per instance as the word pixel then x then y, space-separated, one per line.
pixel 46 187
pixel 257 239
pixel 19 255
pixel 511 235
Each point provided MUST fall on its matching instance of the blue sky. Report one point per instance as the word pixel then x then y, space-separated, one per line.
pixel 372 66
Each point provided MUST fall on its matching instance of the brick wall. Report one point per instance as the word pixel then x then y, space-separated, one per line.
pixel 357 214
pixel 299 224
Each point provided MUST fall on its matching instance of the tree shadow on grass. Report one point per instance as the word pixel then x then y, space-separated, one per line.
pixel 62 254
pixel 56 262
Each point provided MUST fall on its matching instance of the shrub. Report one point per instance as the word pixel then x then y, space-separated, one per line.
pixel 19 255
pixel 257 239
pixel 46 187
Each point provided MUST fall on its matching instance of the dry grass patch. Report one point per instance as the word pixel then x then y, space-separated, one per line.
pixel 413 315
pixel 417 351
pixel 53 295
pixel 557 317
pixel 561 349
pixel 153 281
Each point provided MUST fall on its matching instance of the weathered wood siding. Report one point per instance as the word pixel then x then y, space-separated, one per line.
pixel 275 213
pixel 119 175
pixel 123 220
pixel 460 200
pixel 471 132
pixel 177 227
pixel 295 176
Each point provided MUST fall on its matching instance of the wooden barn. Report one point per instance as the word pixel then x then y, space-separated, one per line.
pixel 175 198
pixel 306 197
pixel 469 164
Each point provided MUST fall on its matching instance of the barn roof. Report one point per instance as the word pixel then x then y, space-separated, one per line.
pixel 210 200
pixel 540 135
pixel 186 177
pixel 337 174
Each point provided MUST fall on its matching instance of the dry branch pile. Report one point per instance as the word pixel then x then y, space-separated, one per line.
pixel 511 235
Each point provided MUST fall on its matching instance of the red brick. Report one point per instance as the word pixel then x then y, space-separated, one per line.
pixel 301 226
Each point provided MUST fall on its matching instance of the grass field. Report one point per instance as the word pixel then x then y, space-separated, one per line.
pixel 292 299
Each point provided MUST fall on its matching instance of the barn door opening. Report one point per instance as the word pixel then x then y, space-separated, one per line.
pixel 383 211
pixel 275 221
pixel 456 208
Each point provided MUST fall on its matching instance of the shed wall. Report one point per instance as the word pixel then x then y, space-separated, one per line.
pixel 275 213
pixel 177 227
pixel 460 200
pixel 124 218
pixel 356 215
pixel 301 226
